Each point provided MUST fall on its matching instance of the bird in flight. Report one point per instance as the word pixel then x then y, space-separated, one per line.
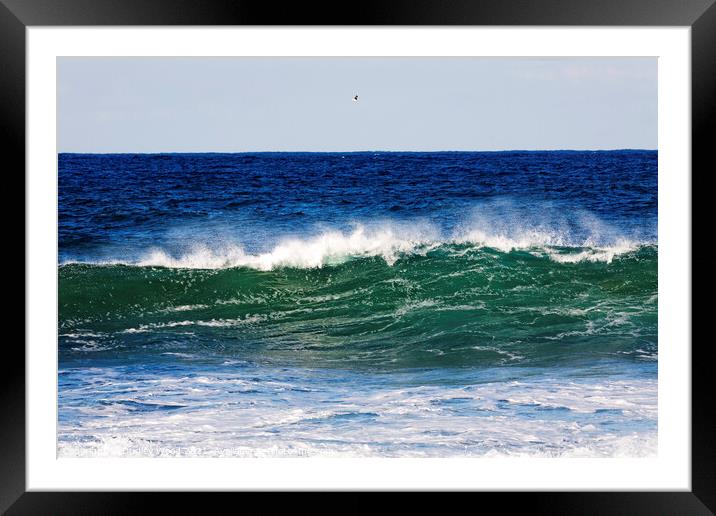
pixel 355 98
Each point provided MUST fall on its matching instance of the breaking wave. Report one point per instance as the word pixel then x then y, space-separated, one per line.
pixel 388 241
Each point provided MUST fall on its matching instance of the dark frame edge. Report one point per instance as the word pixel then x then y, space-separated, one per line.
pixel 14 499
pixel 12 136
pixel 368 12
pixel 703 98
pixel 547 503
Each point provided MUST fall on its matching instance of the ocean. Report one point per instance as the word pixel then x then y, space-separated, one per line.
pixel 360 304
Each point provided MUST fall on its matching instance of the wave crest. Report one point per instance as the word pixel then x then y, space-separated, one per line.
pixel 328 248
pixel 388 242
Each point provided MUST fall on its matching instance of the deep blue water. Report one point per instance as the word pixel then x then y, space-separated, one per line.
pixel 110 201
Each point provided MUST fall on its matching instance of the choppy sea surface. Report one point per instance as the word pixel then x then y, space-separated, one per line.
pixel 358 304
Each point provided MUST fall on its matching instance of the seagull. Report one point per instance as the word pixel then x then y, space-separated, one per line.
pixel 355 98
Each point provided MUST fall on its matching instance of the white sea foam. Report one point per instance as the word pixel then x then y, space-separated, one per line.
pixel 215 323
pixel 389 241
pixel 326 248
pixel 267 412
pixel 184 308
pixel 515 240
pixel 594 254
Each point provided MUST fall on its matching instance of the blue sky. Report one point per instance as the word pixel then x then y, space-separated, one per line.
pixel 166 104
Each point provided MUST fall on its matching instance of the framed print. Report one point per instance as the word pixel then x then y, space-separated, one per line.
pixel 417 248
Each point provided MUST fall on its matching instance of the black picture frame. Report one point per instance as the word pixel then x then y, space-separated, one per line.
pixel 16 15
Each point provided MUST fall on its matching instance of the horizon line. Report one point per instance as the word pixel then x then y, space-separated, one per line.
pixel 382 151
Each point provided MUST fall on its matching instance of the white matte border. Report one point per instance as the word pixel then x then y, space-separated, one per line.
pixel 670 470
